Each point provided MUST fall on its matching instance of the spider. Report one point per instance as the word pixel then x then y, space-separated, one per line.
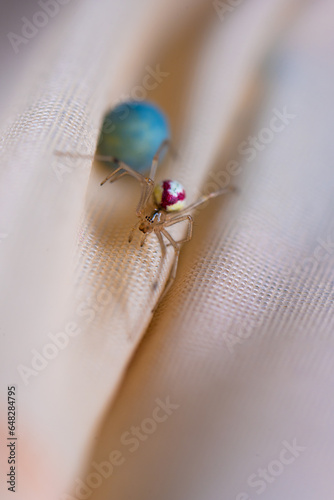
pixel 161 205
pixel 168 208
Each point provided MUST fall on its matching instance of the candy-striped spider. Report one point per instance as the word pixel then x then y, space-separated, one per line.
pixel 160 206
pixel 162 210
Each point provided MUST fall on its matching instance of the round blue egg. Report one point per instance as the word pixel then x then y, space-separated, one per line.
pixel 132 132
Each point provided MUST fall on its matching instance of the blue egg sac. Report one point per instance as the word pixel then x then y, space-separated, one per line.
pixel 132 132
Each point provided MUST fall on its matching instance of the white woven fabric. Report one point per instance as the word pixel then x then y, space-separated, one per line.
pixel 242 344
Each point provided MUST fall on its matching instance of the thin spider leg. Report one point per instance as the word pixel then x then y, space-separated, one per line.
pixel 146 183
pixel 163 255
pixel 143 239
pixel 203 199
pixel 181 218
pixel 172 274
pixel 155 161
pixel 170 239
pixel 147 190
pixel 133 230
pixel 74 155
pixel 141 202
pixel 115 175
pixel 105 158
pixel 162 244
pixel 123 166
pixel 119 176
pixel 174 153
pixel 108 159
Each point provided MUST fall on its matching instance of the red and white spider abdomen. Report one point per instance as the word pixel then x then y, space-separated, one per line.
pixel 170 195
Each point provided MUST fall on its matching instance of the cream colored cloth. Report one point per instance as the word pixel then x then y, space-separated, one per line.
pixel 242 344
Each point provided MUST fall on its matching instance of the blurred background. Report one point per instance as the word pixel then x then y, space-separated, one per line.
pixel 225 392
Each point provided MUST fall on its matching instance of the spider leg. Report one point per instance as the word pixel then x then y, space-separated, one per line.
pixel 143 239
pixel 172 274
pixel 119 176
pixel 115 175
pixel 74 155
pixel 146 192
pixel 109 159
pixel 133 230
pixel 181 218
pixel 122 166
pixel 155 161
pixel 203 199
pixel 162 244
pixel 163 255
pixel 147 183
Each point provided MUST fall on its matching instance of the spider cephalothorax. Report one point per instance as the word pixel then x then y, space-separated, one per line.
pixel 149 222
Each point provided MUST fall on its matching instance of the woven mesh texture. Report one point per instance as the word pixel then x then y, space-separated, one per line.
pixel 242 344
